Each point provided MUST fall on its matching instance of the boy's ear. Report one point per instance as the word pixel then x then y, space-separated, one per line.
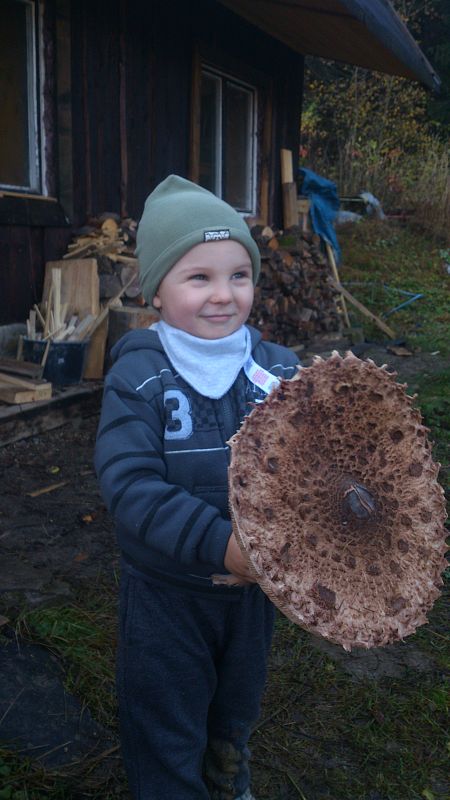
pixel 156 302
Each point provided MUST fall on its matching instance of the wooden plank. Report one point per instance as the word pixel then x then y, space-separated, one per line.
pixel 379 322
pixel 41 390
pixel 336 277
pixel 104 312
pixel 287 170
pixel 63 44
pixel 95 357
pixel 28 369
pixel 79 285
pixel 73 403
pixel 194 141
pixel 14 380
pixel 4 193
pixel 82 329
pixel 123 140
pixel 290 213
pixel 266 149
pixel 12 395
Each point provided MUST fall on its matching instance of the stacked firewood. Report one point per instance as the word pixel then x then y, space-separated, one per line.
pixel 111 241
pixel 294 301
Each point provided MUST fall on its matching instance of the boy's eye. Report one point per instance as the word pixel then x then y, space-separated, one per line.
pixel 199 277
pixel 241 274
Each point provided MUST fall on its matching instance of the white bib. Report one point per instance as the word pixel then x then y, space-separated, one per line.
pixel 211 366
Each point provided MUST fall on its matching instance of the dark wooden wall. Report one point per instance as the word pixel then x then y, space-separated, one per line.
pixel 126 124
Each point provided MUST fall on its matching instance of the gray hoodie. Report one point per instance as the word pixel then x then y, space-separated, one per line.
pixel 162 459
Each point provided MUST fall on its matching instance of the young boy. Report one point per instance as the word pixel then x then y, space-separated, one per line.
pixel 192 653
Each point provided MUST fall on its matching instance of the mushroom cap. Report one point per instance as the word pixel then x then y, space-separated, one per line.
pixel 336 504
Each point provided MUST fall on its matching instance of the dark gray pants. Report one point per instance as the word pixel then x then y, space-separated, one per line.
pixel 191 672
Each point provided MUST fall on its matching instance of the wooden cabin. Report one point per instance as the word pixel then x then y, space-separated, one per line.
pixel 101 99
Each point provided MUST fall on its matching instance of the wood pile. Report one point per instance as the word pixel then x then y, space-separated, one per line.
pixel 111 241
pixel 294 301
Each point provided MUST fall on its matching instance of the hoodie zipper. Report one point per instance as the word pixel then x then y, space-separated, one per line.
pixel 228 416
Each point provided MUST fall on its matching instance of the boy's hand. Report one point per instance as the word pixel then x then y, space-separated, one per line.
pixel 236 564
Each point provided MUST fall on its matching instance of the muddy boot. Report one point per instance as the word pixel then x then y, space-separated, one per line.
pixel 225 770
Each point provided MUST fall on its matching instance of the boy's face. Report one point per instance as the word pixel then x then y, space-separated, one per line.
pixel 209 291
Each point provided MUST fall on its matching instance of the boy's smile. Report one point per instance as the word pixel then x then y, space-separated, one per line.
pixel 209 291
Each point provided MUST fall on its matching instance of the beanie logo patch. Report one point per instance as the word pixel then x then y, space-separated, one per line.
pixel 217 235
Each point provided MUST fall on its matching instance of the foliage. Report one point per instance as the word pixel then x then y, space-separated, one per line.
pixel 373 132
pixel 380 260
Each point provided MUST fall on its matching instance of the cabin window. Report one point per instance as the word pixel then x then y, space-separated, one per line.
pixel 227 158
pixel 19 126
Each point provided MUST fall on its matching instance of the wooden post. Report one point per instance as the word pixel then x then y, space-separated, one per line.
pixel 335 272
pixel 289 190
pixel 287 172
pixel 379 322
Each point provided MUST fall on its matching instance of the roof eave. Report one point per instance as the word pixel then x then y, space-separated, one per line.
pixel 367 33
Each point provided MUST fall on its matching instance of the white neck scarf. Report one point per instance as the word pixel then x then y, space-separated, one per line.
pixel 210 366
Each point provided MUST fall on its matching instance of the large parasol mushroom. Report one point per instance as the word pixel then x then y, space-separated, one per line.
pixel 336 504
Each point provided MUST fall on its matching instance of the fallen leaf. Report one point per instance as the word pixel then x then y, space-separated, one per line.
pixel 398 350
pixel 81 557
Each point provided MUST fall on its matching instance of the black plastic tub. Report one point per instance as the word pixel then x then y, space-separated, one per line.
pixel 65 360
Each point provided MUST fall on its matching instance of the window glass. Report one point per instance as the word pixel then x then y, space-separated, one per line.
pixel 227 139
pixel 18 130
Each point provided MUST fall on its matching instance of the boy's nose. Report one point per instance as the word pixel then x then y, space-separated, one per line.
pixel 221 292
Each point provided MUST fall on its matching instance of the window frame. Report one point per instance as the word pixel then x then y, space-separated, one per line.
pixel 226 79
pixel 34 106
pixel 265 171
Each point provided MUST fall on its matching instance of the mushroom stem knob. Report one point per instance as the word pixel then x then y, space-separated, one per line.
pixel 358 503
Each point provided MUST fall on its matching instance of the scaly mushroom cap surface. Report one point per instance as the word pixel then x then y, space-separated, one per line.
pixel 336 504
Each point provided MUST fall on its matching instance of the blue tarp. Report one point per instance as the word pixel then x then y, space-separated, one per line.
pixel 324 200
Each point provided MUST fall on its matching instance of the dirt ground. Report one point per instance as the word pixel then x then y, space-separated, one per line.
pixel 56 542
pixel 56 537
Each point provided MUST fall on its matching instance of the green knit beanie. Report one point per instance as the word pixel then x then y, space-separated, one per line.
pixel 177 215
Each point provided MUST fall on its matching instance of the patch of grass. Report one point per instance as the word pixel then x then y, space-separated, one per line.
pixel 379 261
pixel 324 735
pixel 434 401
pixel 22 779
pixel 84 637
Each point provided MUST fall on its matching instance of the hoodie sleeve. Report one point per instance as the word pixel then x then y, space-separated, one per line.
pixel 130 465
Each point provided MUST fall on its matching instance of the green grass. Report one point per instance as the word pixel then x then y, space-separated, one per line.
pixel 329 736
pixel 378 260
pixel 84 637
pixel 21 779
